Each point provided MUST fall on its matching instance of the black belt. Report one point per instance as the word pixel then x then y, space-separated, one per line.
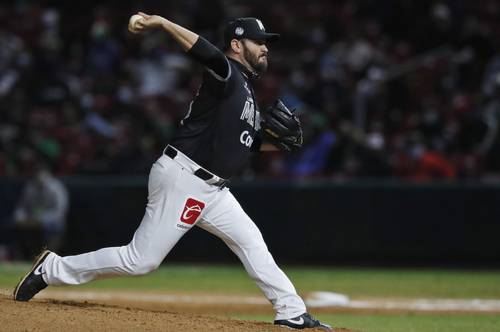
pixel 200 172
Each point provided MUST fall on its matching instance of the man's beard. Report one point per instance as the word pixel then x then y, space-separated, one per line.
pixel 253 61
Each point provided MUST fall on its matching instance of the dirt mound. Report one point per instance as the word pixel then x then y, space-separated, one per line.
pixel 50 315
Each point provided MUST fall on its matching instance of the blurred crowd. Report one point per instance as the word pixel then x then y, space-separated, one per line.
pixel 392 88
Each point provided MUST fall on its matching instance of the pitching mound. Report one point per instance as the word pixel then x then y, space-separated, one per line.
pixel 50 315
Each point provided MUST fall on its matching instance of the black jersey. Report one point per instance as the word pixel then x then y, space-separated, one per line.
pixel 220 128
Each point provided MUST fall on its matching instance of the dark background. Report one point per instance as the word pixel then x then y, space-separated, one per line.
pixel 400 102
pixel 384 89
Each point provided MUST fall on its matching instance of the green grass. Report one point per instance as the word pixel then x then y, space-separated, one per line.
pixel 410 283
pixel 355 282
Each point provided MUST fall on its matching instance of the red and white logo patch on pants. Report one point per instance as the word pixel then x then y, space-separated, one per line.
pixel 192 210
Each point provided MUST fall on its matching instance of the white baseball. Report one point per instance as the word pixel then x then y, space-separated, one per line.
pixel 133 20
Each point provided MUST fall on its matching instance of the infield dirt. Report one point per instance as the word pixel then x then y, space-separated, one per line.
pixel 56 315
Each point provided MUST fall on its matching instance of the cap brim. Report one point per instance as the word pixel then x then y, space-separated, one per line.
pixel 264 36
pixel 272 36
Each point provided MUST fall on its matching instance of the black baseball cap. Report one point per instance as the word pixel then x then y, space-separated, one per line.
pixel 247 27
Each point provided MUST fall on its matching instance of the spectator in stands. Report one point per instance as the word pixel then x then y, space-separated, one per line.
pixel 96 100
pixel 40 214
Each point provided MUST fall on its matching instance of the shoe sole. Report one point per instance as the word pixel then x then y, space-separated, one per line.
pixel 292 328
pixel 38 259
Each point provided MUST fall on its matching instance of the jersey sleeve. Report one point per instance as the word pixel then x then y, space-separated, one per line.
pixel 212 58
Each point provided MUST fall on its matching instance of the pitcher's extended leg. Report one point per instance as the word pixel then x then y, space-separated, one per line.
pixel 152 241
pixel 228 221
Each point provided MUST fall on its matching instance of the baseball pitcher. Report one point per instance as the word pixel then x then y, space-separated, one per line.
pixel 187 185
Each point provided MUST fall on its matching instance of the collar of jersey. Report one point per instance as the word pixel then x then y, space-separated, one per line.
pixel 247 73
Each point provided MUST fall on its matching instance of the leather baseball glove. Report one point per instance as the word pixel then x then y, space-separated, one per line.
pixel 281 127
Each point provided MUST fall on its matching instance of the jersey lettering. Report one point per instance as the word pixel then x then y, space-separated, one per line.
pixel 246 139
pixel 248 112
pixel 245 85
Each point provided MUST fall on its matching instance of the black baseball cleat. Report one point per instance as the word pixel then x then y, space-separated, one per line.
pixel 304 321
pixel 32 282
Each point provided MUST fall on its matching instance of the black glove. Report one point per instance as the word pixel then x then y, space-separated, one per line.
pixel 281 127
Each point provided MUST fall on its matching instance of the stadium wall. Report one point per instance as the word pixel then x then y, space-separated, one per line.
pixel 363 222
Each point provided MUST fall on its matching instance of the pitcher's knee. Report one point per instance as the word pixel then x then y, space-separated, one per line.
pixel 142 267
pixel 137 262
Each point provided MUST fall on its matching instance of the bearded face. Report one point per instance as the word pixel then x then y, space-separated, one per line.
pixel 256 54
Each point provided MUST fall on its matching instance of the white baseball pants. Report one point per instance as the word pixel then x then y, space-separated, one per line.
pixel 178 200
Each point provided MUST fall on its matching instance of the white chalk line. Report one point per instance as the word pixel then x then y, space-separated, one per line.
pixel 314 301
pixel 473 305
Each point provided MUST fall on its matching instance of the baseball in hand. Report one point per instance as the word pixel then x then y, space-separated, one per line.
pixel 133 21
